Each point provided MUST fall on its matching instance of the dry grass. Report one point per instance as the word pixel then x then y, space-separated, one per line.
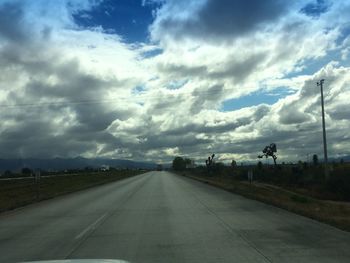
pixel 17 193
pixel 334 213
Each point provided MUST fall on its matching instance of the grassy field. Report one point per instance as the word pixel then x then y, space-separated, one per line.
pixel 330 212
pixel 17 193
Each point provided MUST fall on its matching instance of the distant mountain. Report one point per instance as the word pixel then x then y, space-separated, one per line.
pixel 73 163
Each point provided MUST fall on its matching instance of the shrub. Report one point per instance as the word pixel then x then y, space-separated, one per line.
pixel 299 199
pixel 179 164
pixel 339 183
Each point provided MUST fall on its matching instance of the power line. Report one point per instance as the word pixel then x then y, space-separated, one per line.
pixel 63 103
pixel 98 101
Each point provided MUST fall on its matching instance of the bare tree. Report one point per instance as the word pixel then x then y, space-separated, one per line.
pixel 209 161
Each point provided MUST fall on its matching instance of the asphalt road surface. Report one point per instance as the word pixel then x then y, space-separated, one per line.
pixel 162 217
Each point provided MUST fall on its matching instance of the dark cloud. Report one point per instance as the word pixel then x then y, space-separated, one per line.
pixel 293 115
pixel 17 28
pixel 11 19
pixel 239 69
pixel 218 20
pixel 168 141
pixel 174 70
pixel 234 67
pixel 204 128
pixel 207 98
pixel 341 112
pixel 164 102
pixel 261 112
pixel 34 138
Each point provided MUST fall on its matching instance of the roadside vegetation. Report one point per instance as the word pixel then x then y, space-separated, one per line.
pixel 302 187
pixel 21 192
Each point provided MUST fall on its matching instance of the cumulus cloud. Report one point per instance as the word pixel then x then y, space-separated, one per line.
pixel 72 91
pixel 212 20
pixel 58 99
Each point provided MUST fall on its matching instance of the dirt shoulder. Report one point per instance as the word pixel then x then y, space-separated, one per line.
pixel 333 213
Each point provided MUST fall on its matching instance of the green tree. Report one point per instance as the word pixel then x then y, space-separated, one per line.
pixel 260 165
pixel 179 164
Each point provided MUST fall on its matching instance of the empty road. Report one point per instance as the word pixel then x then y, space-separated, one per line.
pixel 162 217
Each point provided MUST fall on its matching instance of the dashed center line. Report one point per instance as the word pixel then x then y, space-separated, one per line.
pixel 91 227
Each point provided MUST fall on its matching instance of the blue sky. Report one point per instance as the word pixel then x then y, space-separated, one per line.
pixel 167 78
pixel 255 99
pixel 128 18
pixel 317 8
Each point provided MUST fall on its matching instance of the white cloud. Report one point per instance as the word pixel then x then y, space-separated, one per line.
pixel 93 76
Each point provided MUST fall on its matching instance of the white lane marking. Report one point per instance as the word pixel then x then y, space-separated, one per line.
pixel 91 227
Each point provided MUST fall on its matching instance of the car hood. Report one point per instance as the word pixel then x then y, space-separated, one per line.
pixel 80 261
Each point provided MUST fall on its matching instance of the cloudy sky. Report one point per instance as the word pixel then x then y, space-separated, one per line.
pixel 153 79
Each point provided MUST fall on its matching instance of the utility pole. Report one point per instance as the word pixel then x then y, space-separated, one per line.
pixel 320 84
